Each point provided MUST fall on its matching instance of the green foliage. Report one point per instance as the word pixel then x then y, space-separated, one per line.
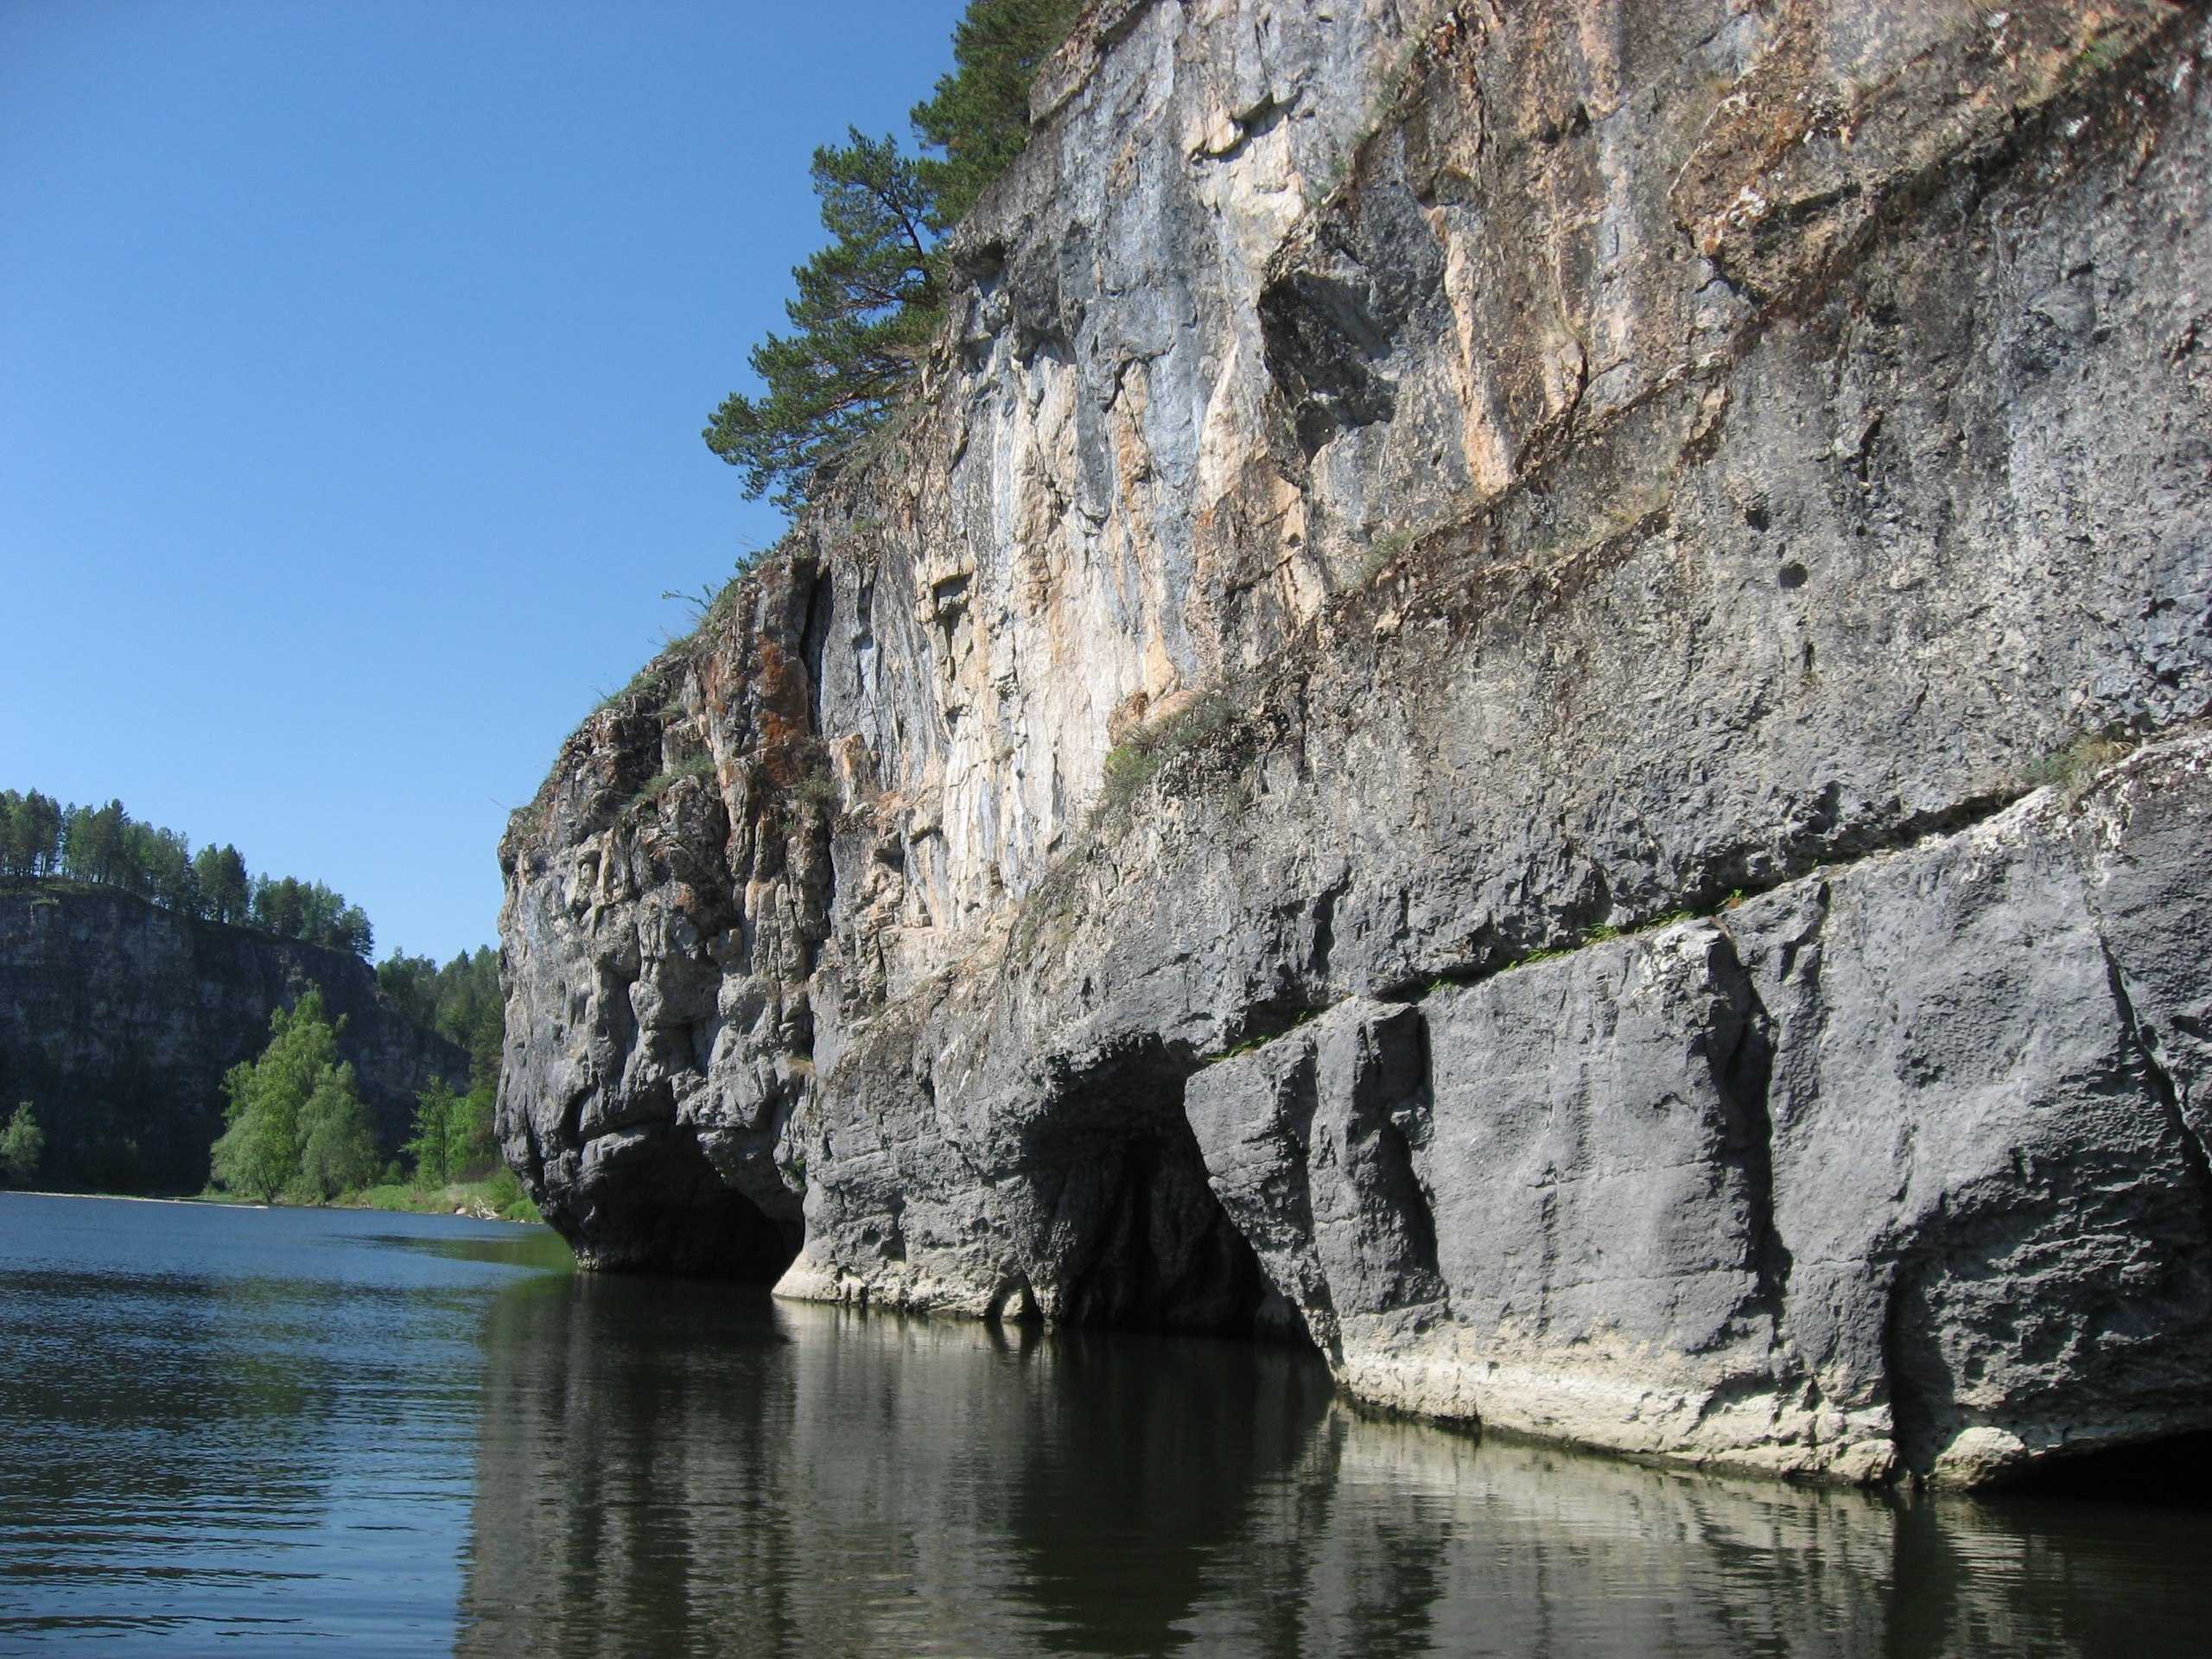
pixel 500 1193
pixel 698 766
pixel 816 788
pixel 1260 1039
pixel 2071 767
pixel 977 118
pixel 397 1194
pixel 1133 762
pixel 337 1151
pixel 105 846
pixel 294 1123
pixel 701 603
pixel 1605 932
pixel 22 1144
pixel 648 682
pixel 452 1134
pixel 433 1110
pixel 97 846
pixel 503 1191
pixel 30 834
pixel 1535 957
pixel 461 1002
pixel 866 309
pixel 293 909
pixel 219 877
pixel 470 1148
pixel 869 304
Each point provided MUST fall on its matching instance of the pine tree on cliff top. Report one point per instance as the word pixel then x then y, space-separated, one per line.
pixel 866 306
pixel 868 303
pixel 979 114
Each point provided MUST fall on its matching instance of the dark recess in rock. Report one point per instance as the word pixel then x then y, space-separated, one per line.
pixel 1324 346
pixel 656 1205
pixel 2175 1471
pixel 1146 1244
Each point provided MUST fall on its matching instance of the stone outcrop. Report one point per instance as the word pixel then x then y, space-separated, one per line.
pixel 1415 497
pixel 1894 1163
pixel 118 1018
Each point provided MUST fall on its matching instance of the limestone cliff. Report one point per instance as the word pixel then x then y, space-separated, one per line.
pixel 1522 699
pixel 118 1018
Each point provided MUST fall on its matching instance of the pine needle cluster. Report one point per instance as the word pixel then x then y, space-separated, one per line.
pixel 869 304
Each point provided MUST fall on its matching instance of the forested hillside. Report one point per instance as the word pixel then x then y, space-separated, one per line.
pixel 42 839
pixel 140 969
pixel 119 1018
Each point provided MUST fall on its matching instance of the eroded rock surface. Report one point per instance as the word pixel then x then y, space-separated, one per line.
pixel 1880 1170
pixel 1501 476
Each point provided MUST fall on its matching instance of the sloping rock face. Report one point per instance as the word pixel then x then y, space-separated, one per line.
pixel 1411 489
pixel 118 1021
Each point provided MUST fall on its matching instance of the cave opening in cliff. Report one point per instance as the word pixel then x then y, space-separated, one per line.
pixel 2175 1471
pixel 673 1213
pixel 1146 1243
pixel 744 1243
pixel 720 1235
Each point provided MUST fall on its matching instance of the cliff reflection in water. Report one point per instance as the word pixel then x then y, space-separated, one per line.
pixel 677 1468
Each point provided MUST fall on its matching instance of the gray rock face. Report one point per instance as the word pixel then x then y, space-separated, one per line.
pixel 118 1021
pixel 1487 477
pixel 665 906
pixel 1878 1171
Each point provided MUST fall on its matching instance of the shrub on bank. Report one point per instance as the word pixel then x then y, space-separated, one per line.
pixel 497 1197
pixel 22 1144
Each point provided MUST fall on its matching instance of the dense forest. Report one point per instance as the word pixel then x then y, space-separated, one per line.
pixel 105 846
pixel 461 1001
pixel 42 839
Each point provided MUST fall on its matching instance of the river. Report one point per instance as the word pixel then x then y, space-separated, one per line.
pixel 405 1434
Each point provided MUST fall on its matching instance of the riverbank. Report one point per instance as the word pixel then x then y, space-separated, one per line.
pixel 498 1198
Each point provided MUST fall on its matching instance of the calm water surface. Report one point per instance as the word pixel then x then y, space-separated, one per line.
pixel 404 1434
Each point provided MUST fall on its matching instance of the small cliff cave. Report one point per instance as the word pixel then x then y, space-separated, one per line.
pixel 737 1240
pixel 669 1213
pixel 1139 1239
pixel 2175 1471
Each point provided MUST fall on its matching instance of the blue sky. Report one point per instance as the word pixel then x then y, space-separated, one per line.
pixel 352 361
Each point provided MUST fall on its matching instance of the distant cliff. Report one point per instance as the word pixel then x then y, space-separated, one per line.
pixel 1525 698
pixel 117 1020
